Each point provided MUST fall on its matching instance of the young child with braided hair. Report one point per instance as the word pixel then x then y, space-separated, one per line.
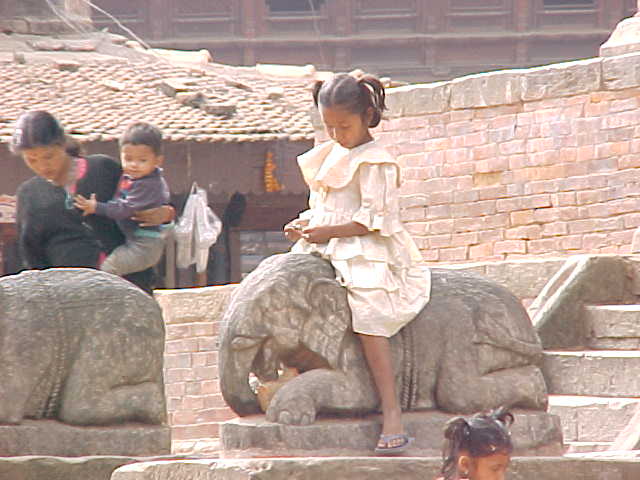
pixel 354 222
pixel 478 447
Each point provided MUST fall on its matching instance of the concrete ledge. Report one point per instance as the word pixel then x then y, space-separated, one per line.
pixel 354 468
pixel 49 437
pixel 60 468
pixel 533 433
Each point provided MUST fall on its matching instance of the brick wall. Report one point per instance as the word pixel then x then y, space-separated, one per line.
pixel 192 322
pixel 520 163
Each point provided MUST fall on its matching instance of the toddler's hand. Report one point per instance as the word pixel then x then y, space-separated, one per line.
pixel 87 205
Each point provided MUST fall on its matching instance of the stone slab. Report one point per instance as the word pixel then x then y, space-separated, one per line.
pixel 592 372
pixel 49 437
pixel 561 80
pixel 613 327
pixel 592 419
pixel 533 433
pixel 486 89
pixel 414 100
pixel 621 72
pixel 410 468
pixel 59 468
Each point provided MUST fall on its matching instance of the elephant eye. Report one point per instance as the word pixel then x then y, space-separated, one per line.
pixel 243 343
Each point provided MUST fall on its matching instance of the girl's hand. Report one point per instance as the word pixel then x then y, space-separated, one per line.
pixel 155 216
pixel 319 234
pixel 293 229
pixel 87 205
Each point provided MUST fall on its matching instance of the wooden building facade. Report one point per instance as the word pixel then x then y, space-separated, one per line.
pixel 411 40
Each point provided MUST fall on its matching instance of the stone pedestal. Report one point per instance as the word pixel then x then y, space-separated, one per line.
pixel 49 437
pixel 624 39
pixel 534 433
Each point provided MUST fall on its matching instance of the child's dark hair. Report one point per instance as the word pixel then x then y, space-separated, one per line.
pixel 481 435
pixel 143 133
pixel 38 128
pixel 356 92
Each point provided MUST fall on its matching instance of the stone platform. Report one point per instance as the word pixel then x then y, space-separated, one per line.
pixel 49 437
pixel 534 433
pixel 408 468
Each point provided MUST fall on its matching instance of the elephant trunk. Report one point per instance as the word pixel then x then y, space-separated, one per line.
pixel 235 367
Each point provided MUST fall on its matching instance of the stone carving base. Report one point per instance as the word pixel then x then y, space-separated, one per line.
pixel 534 433
pixel 49 437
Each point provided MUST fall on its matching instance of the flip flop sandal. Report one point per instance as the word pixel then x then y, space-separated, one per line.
pixel 388 439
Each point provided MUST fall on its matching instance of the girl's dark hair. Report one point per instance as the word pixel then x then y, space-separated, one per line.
pixel 143 133
pixel 481 435
pixel 356 92
pixel 38 128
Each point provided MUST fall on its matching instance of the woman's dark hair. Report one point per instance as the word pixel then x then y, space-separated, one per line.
pixel 143 133
pixel 38 128
pixel 481 435
pixel 356 92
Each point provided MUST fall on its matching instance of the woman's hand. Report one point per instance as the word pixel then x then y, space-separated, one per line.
pixel 155 216
pixel 293 229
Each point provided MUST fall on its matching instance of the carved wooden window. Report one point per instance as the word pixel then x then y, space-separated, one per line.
pixel 566 14
pixel 204 17
pixel 479 15
pixel 302 17
pixel 386 16
pixel 293 7
pixel 569 4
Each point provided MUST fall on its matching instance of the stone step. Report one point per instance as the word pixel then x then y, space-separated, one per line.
pixel 592 419
pixel 587 447
pixel 613 327
pixel 602 373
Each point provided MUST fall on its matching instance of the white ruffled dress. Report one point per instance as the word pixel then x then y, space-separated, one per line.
pixel 386 286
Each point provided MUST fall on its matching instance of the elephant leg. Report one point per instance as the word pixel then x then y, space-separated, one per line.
pixel 14 395
pixel 515 387
pixel 142 403
pixel 300 399
pixel 106 387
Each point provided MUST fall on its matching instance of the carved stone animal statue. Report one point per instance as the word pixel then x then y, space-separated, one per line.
pixel 81 346
pixel 471 348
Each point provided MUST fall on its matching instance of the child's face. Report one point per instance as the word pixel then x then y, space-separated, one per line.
pixel 491 467
pixel 346 128
pixel 139 160
pixel 50 162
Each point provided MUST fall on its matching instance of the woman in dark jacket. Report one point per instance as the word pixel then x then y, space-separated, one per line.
pixel 51 231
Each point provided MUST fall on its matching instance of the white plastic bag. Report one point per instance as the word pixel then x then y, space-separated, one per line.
pixel 197 229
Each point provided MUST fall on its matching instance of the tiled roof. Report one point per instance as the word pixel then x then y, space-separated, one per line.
pixel 95 100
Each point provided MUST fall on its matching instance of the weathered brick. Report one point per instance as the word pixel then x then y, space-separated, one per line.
pixel 523 217
pixel 182 345
pixel 177 360
pixel 455 254
pixel 554 229
pixel 510 246
pixel 188 432
pixel 593 241
pixel 544 245
pixel 441 226
pixel 495 164
pixel 480 251
pixel 463 239
pixel 482 152
pixel 526 232
pixel 536 201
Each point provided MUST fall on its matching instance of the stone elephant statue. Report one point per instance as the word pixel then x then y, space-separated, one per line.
pixel 472 347
pixel 80 346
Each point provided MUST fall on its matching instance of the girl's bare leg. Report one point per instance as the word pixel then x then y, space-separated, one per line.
pixel 377 351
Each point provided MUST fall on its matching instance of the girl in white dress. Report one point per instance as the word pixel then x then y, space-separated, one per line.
pixel 354 222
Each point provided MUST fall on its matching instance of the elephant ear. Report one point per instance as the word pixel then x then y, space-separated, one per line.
pixel 325 335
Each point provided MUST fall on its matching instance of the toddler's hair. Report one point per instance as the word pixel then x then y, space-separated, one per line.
pixel 355 92
pixel 143 133
pixel 481 435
